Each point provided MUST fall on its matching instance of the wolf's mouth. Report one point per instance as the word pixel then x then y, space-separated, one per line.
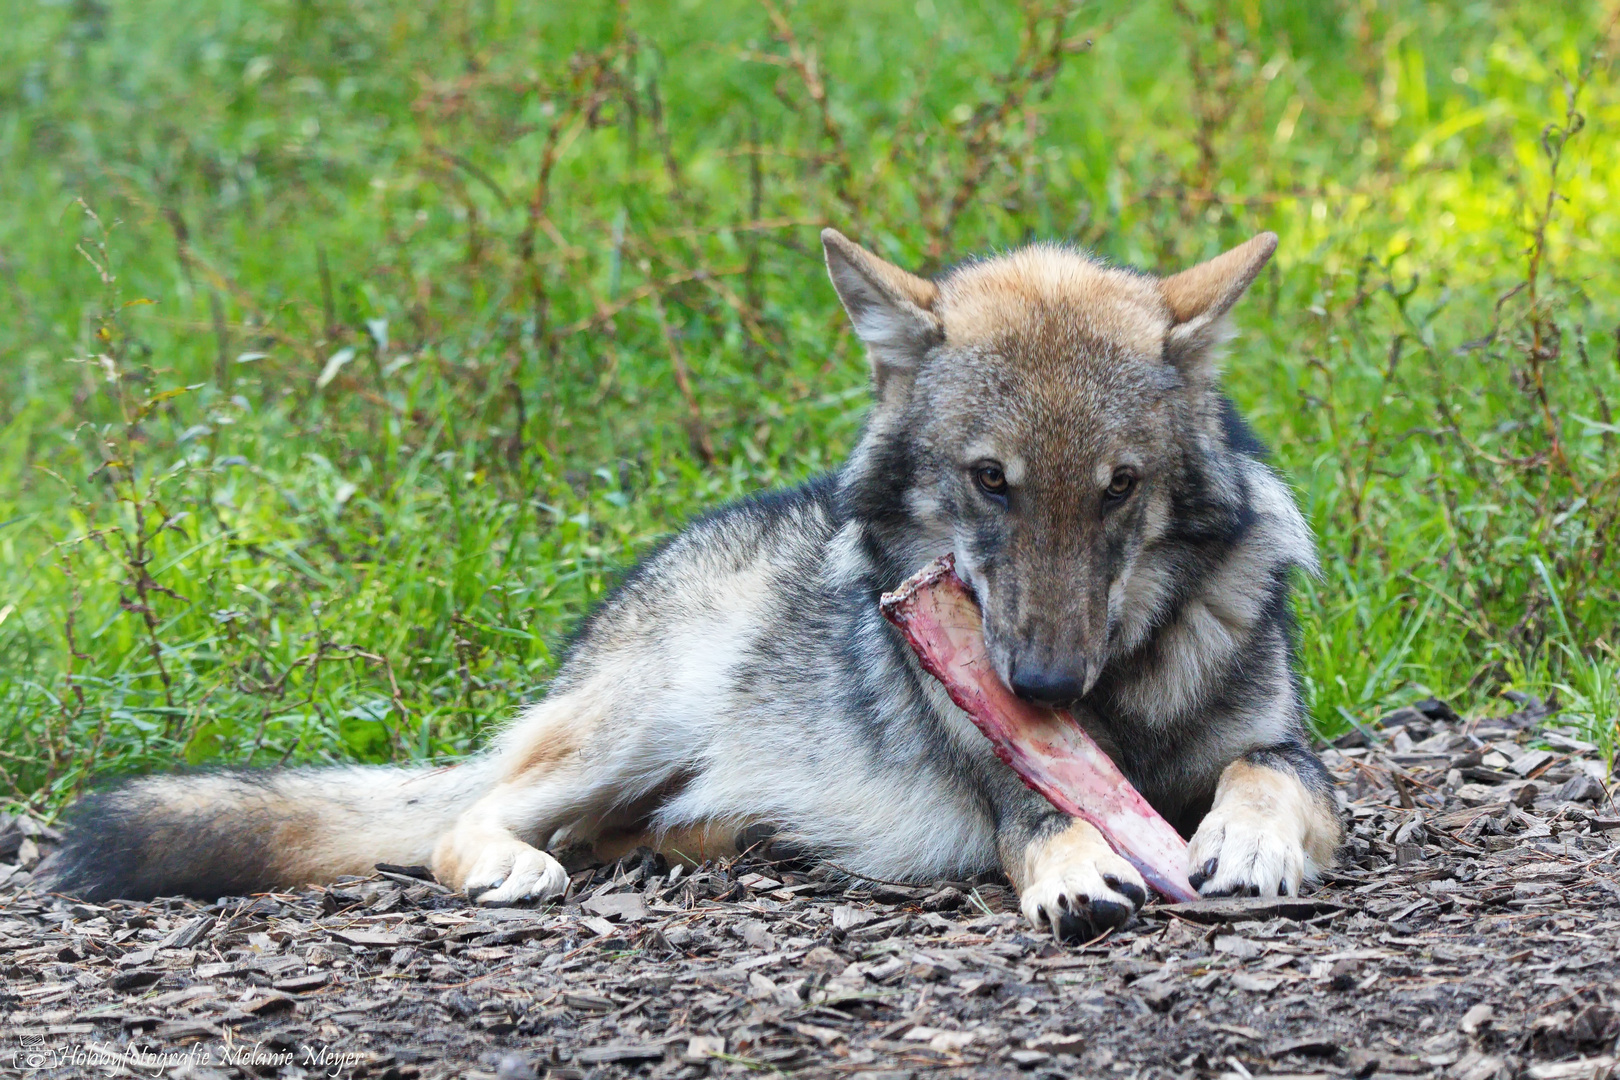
pixel 936 612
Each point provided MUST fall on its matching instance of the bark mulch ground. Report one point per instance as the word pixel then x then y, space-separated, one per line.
pixel 1471 931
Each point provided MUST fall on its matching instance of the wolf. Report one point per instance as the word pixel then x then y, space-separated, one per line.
pixel 1055 422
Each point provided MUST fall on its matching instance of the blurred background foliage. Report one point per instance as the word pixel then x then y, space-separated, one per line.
pixel 351 348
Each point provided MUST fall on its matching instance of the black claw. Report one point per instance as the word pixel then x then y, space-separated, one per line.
pixel 1282 888
pixel 1197 878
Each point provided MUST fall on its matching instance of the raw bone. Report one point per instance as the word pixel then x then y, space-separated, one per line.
pixel 1045 747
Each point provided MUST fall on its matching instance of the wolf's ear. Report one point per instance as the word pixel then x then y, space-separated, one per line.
pixel 891 309
pixel 1200 298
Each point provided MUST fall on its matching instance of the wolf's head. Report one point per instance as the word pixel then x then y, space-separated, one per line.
pixel 1051 420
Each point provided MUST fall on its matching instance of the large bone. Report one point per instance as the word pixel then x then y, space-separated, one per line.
pixel 1046 747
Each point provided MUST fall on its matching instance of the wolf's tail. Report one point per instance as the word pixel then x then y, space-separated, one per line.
pixel 230 833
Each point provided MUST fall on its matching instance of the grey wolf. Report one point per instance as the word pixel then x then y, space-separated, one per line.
pixel 1055 422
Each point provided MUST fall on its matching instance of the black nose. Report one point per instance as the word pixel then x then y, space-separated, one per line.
pixel 1049 686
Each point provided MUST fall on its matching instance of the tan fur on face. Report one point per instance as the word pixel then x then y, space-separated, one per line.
pixel 1012 297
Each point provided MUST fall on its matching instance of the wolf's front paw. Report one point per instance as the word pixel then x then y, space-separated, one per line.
pixel 1239 851
pixel 1083 898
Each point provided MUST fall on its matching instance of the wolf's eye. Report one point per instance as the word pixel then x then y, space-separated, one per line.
pixel 1123 483
pixel 991 480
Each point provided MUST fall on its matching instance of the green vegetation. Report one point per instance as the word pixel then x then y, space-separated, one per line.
pixel 351 348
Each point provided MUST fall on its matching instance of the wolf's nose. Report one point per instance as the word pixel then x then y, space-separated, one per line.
pixel 1049 686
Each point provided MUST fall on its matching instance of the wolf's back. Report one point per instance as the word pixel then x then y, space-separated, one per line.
pixel 228 833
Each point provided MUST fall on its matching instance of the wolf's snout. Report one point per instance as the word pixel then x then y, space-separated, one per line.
pixel 1050 685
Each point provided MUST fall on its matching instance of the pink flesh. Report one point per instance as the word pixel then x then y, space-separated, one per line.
pixel 1046 747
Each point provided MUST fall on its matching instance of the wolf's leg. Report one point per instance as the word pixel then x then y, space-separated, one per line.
pixel 556 765
pixel 1273 824
pixel 1067 876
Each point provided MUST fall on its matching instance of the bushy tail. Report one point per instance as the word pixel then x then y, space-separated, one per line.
pixel 231 833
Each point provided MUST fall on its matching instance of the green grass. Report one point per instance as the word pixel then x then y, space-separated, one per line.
pixel 344 343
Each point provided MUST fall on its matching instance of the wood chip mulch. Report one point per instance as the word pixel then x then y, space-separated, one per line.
pixel 1471 931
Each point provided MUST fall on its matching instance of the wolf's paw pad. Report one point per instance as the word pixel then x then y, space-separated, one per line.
pixel 1240 853
pixel 512 871
pixel 1082 900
